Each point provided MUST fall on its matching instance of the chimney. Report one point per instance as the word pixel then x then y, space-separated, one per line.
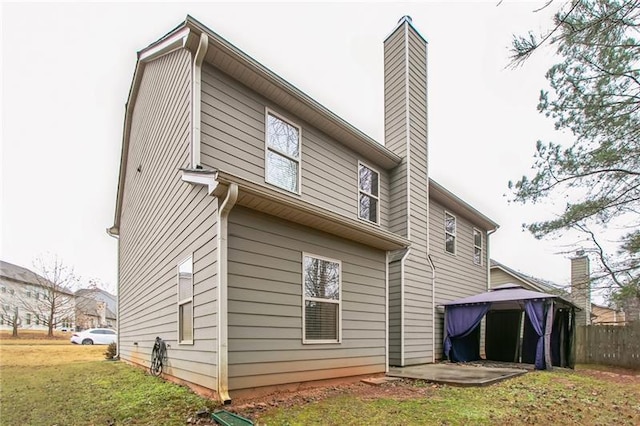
pixel 581 287
pixel 405 129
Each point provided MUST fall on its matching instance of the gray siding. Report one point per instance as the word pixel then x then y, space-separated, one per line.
pixel 233 139
pixel 395 128
pixel 395 314
pixel 456 275
pixel 265 304
pixel 163 221
pixel 499 277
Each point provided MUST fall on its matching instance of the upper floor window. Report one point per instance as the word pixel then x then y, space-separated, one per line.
pixel 185 301
pixel 27 318
pixel 477 247
pixel 368 193
pixel 322 299
pixel 282 154
pixel 450 233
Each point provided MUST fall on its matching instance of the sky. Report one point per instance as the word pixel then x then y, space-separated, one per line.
pixel 67 69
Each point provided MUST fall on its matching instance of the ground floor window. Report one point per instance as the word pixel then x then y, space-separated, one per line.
pixel 185 301
pixel 322 299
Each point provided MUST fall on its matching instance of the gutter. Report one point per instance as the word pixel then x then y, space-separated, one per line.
pixel 433 307
pixel 223 338
pixel 114 232
pixel 196 95
pixel 402 280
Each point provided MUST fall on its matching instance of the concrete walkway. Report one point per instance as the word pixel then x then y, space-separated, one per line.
pixel 455 374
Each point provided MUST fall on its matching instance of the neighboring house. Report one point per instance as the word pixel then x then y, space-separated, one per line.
pixel 267 240
pixel 95 308
pixel 580 290
pixel 25 299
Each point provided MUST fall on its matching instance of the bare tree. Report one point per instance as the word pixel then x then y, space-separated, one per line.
pixel 51 299
pixel 11 316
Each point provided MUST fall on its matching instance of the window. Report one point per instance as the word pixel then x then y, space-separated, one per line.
pixel 368 189
pixel 12 291
pixel 321 299
pixel 37 295
pixel 185 301
pixel 477 247
pixel 4 289
pixel 1 319
pixel 27 319
pixel 37 319
pixel 449 233
pixel 28 293
pixel 282 154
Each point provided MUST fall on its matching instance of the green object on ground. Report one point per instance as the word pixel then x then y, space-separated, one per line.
pixel 226 418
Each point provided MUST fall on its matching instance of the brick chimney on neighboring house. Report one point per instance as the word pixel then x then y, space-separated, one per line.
pixel 581 287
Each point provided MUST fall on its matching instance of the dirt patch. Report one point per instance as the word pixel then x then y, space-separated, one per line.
pixel 612 374
pixel 397 390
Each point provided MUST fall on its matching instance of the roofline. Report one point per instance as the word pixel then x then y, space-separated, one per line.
pixel 217 181
pixel 439 192
pixel 178 38
pixel 219 41
pixel 521 276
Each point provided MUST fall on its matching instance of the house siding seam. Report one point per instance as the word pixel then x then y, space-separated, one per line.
pixel 163 220
pixel 233 139
pixel 265 304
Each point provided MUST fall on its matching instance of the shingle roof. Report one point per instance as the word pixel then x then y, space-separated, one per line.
pixel 18 273
pixel 543 285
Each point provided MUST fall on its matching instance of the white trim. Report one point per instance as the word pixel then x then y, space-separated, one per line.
pixel 454 234
pixel 402 280
pixel 201 179
pixel 268 111
pixel 182 302
pixel 408 125
pixel 488 261
pixel 196 94
pixel 223 337
pixel 170 44
pixel 338 302
pixel 477 247
pixel 376 197
pixel 386 312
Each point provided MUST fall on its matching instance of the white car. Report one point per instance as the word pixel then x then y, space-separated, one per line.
pixel 94 336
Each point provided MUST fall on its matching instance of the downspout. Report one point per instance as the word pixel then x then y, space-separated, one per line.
pixel 223 344
pixel 111 232
pixel 404 257
pixel 196 93
pixel 489 232
pixel 433 306
pixel 386 312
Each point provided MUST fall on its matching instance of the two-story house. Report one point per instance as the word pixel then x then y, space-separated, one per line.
pixel 267 240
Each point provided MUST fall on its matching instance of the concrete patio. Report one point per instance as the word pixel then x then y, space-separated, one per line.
pixel 456 374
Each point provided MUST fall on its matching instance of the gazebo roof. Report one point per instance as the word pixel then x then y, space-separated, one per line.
pixel 507 296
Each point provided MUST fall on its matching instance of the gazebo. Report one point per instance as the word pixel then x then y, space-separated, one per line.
pixel 521 326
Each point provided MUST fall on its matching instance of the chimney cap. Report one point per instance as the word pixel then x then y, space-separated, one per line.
pixel 405 18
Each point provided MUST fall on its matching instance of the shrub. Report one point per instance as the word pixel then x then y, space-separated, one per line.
pixel 112 350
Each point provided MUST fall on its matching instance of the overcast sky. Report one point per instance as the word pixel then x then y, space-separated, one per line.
pixel 67 69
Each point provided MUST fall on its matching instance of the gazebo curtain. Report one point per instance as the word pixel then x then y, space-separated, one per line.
pixel 535 312
pixel 460 322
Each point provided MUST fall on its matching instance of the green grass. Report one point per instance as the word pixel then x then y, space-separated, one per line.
pixel 535 398
pixel 35 391
pixel 42 383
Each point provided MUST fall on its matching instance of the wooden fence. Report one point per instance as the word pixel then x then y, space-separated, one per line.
pixel 609 345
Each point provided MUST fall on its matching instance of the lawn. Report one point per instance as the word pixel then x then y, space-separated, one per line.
pixel 53 382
